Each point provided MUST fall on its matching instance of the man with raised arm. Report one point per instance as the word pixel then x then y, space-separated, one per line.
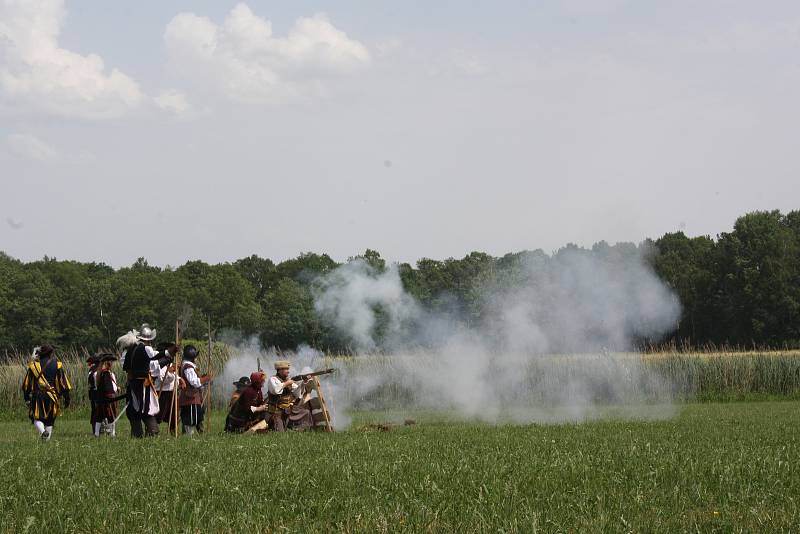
pixel 284 408
pixel 140 361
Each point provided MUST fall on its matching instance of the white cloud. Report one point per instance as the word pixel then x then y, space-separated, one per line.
pixel 30 147
pixel 39 75
pixel 242 59
pixel 173 101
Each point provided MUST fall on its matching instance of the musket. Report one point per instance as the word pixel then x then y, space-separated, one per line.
pixel 208 400
pixel 315 373
pixel 176 390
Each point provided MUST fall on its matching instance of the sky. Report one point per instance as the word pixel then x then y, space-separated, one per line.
pixel 179 130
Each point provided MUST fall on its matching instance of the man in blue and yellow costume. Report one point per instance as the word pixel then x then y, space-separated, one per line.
pixel 45 387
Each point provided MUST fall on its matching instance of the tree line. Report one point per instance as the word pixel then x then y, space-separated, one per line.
pixel 740 288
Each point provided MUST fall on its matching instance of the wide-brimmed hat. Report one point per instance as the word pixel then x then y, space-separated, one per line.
pixel 45 350
pixel 94 358
pixel 146 333
pixel 242 382
pixel 282 364
pixel 108 358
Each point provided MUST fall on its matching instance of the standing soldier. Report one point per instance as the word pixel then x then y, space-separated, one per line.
pixel 166 362
pixel 141 364
pixel 94 363
pixel 191 394
pixel 283 398
pixel 106 403
pixel 44 386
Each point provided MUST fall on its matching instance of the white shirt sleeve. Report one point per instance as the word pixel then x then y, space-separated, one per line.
pixel 155 373
pixel 114 383
pixel 191 376
pixel 274 385
pixel 168 378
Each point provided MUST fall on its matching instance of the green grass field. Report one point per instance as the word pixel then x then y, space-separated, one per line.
pixel 728 467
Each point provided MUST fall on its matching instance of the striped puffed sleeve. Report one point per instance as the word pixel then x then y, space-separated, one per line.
pixel 62 381
pixel 28 384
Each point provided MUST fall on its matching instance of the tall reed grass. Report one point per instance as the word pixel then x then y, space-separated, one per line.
pixel 14 365
pixel 684 375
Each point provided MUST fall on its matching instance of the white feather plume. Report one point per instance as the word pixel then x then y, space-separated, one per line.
pixel 131 338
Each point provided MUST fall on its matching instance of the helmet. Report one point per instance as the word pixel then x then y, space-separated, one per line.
pixel 189 353
pixel 146 333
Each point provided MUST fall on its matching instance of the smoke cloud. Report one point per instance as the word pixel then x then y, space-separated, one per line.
pixel 551 341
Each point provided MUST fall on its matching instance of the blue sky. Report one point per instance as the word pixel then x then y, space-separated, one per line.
pixel 216 130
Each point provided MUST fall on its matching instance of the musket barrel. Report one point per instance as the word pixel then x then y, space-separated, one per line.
pixel 315 373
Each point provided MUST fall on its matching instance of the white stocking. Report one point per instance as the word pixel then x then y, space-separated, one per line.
pixel 97 429
pixel 49 430
pixel 189 430
pixel 39 427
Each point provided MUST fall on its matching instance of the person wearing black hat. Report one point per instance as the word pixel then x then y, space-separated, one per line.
pixel 245 413
pixel 240 384
pixel 94 364
pixel 44 387
pixel 166 361
pixel 106 404
pixel 191 394
pixel 232 424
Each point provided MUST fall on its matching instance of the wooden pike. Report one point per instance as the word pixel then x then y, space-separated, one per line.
pixel 209 398
pixel 176 389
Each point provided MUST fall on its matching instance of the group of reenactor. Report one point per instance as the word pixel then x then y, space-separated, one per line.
pixel 286 405
pixel 152 382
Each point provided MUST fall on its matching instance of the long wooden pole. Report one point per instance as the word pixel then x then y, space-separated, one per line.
pixel 176 388
pixel 210 397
